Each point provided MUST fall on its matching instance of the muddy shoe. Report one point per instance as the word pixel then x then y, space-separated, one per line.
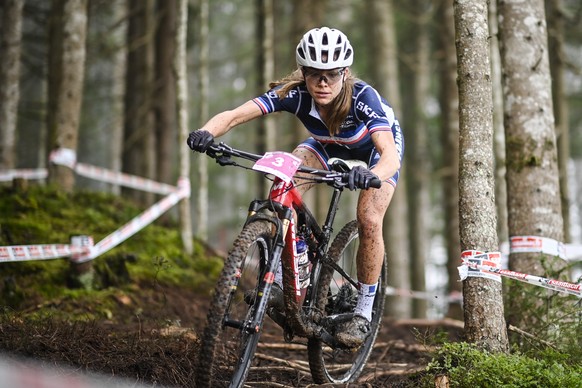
pixel 354 332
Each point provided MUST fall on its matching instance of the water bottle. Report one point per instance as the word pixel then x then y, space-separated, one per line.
pixel 302 263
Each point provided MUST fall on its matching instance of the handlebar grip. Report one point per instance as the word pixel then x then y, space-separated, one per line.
pixel 376 183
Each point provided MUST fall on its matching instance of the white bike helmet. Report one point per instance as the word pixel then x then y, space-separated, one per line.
pixel 324 48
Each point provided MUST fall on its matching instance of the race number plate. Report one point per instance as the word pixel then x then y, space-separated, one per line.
pixel 281 164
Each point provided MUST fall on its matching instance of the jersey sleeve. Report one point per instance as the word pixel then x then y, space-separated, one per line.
pixel 270 101
pixel 374 111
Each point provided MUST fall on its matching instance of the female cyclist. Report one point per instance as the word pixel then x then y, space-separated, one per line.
pixel 347 119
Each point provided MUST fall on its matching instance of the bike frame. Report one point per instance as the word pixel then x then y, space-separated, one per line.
pixel 284 199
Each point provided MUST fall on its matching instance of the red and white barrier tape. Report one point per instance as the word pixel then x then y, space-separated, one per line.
pixel 138 223
pixel 67 157
pixel 531 244
pixel 122 179
pixel 490 259
pixel 82 249
pixel 26 173
pixel 39 252
pixel 552 284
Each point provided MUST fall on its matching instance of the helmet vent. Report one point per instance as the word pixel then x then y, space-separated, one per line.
pixel 348 53
pixel 324 40
pixel 312 54
pixel 301 52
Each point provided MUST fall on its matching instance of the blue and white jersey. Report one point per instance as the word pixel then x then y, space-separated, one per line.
pixel 369 113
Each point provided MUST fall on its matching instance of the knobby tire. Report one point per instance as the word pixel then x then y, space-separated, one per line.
pixel 338 366
pixel 226 353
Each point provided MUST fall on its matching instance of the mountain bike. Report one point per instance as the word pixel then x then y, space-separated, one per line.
pixel 317 296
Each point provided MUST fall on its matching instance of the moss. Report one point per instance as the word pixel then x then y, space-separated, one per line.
pixel 45 215
pixel 467 366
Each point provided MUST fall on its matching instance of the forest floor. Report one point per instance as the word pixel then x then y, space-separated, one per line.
pixel 151 339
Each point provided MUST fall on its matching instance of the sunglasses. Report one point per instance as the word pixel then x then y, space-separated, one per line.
pixel 330 77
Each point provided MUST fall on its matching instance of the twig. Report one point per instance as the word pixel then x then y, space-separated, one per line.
pixel 431 322
pixel 531 336
pixel 398 372
pixel 400 345
pixel 295 365
pixel 265 384
pixel 281 345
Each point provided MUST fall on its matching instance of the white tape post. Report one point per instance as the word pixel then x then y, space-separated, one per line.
pixel 533 244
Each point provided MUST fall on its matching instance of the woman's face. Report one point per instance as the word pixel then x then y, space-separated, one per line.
pixel 324 85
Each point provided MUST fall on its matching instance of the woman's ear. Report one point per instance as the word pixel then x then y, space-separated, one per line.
pixel 346 73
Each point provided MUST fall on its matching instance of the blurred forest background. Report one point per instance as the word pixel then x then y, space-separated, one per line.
pixel 128 103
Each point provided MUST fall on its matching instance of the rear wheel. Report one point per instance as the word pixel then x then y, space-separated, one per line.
pixel 228 342
pixel 335 295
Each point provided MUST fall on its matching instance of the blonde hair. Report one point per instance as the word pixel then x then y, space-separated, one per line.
pixel 340 106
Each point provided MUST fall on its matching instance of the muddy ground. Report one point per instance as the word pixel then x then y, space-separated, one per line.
pixel 151 338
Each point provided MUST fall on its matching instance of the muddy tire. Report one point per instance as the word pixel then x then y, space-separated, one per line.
pixel 335 296
pixel 226 352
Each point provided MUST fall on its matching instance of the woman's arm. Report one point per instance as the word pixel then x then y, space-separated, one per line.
pixel 389 162
pixel 225 121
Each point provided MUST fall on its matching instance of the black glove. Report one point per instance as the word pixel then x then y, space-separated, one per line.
pixel 200 140
pixel 360 178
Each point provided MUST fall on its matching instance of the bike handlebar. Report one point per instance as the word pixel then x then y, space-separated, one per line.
pixel 222 152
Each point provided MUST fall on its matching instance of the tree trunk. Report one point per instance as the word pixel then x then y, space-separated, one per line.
pixel 533 187
pixel 449 102
pixel 203 79
pixel 165 92
pixel 66 72
pixel 498 128
pixel 10 47
pixel 266 73
pixel 417 157
pixel 181 77
pixel 308 14
pixel 384 75
pixel 561 112
pixel 138 143
pixel 483 302
pixel 119 67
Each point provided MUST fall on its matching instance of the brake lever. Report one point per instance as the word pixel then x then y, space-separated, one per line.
pixel 224 160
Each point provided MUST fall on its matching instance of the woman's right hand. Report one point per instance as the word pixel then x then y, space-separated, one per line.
pixel 200 140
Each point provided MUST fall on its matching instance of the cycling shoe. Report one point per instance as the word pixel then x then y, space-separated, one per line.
pixel 354 332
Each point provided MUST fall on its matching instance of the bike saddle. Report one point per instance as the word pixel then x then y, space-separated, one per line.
pixel 342 165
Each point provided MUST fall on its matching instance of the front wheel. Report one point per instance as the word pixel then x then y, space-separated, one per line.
pixel 228 344
pixel 335 295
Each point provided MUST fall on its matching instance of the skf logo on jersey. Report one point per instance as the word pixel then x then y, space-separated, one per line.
pixel 367 110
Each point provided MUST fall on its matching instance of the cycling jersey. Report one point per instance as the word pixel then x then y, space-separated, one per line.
pixel 368 113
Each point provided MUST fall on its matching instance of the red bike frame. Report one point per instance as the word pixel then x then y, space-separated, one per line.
pixel 286 194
